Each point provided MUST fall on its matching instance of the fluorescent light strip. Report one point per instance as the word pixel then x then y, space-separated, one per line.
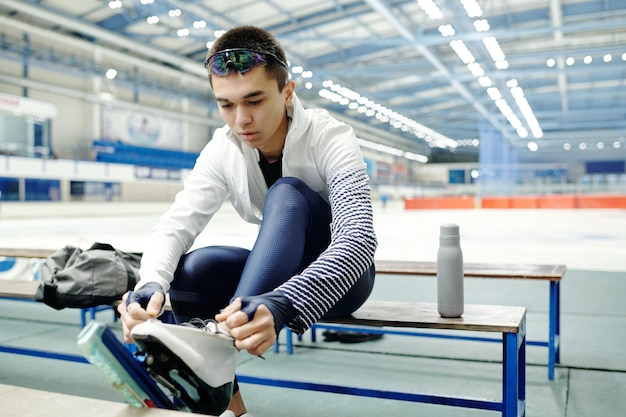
pixel 392 151
pixel 473 10
pixel 354 101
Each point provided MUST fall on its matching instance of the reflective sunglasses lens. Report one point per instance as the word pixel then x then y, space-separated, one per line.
pixel 240 60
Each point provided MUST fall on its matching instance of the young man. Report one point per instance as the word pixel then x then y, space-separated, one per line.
pixel 297 173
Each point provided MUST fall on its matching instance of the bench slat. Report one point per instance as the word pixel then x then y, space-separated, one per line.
pixel 475 270
pixel 483 318
pixel 25 253
pixel 18 289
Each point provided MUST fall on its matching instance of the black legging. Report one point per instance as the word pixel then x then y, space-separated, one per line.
pixel 294 231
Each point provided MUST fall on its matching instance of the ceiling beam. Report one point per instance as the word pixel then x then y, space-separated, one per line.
pixel 76 25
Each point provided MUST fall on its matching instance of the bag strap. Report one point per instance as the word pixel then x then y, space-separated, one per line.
pixel 50 295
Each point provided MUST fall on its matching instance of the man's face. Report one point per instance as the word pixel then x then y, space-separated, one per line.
pixel 254 109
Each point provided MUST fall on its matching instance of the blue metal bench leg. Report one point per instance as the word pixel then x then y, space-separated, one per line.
pixel 313 334
pixel 554 327
pixel 514 373
pixel 289 342
pixel 557 357
pixel 92 314
pixel 83 317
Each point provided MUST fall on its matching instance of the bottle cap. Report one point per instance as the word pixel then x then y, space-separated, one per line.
pixel 449 229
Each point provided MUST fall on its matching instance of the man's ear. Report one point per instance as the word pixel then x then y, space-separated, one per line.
pixel 288 90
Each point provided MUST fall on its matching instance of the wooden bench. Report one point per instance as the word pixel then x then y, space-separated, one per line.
pixel 507 320
pixel 551 273
pixel 536 272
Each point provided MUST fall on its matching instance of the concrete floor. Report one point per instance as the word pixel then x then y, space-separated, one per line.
pixel 590 381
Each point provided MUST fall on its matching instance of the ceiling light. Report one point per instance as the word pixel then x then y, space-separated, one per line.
pixel 569 61
pixel 462 51
pixel 582 145
pixel 588 59
pixel 152 20
pixel 494 93
pixel 485 81
pixel 476 69
pixel 502 65
pixel 472 8
pixel 416 157
pixel 567 146
pixel 493 47
pixel 551 62
pixel 481 25
pixel 504 107
pixel 617 144
pixel 522 132
pixel 447 30
pixel 532 146
pixel 111 73
pixel 363 105
pixel 608 58
pixel 514 121
pixel 182 32
pixel 624 56
pixel 174 13
pixel 537 132
pixel 600 145
pixel 115 4
pixel 199 24
pixel 431 9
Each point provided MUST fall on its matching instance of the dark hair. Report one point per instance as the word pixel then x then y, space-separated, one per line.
pixel 257 39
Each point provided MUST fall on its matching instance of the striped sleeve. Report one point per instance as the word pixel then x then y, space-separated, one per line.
pixel 351 251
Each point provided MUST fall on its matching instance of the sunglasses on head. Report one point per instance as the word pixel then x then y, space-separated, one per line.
pixel 238 59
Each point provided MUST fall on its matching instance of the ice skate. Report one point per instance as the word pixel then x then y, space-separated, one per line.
pixel 195 361
pixel 126 374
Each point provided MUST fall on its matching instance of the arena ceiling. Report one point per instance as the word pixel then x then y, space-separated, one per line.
pixel 432 77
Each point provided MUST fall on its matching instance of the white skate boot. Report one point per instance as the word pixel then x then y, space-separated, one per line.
pixel 195 361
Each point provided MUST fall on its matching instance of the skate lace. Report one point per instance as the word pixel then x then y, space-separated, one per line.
pixel 208 325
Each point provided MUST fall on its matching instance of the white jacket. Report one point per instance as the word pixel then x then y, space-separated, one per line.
pixel 319 150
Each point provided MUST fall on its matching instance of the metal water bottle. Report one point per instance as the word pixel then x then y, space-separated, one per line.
pixel 450 272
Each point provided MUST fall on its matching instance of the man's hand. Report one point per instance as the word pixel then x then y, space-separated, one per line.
pixel 256 335
pixel 255 321
pixel 139 306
